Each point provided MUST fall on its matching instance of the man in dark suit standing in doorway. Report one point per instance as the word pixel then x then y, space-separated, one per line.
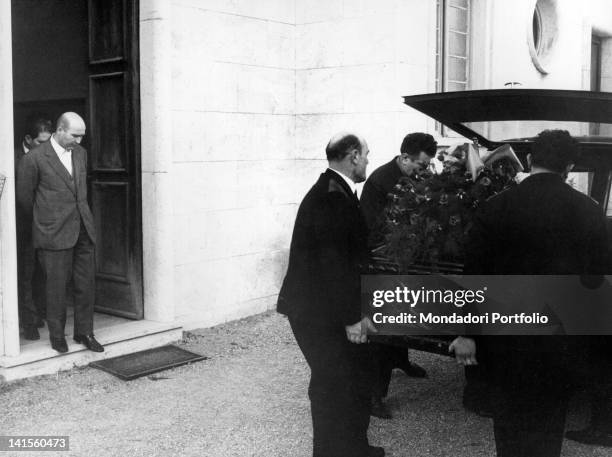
pixel 321 297
pixel 52 188
pixel 38 132
pixel 30 280
pixel 540 227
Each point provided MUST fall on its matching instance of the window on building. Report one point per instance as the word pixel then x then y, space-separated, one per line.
pixel 537 29
pixel 594 128
pixel 544 31
pixel 452 46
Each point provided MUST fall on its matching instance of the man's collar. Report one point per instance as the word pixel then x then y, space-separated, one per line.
pixel 396 161
pixel 56 146
pixel 348 180
pixel 25 148
pixel 544 176
pixel 402 170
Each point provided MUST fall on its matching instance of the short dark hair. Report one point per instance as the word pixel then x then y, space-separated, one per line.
pixel 339 149
pixel 36 124
pixel 414 143
pixel 554 150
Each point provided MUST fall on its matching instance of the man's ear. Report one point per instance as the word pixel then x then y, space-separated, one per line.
pixel 28 139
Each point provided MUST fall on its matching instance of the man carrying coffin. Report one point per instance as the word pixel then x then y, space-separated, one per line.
pixel 416 151
pixel 321 297
pixel 540 227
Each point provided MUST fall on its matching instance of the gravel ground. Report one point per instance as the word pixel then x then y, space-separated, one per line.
pixel 248 399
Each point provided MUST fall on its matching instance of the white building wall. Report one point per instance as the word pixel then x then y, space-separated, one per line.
pixel 9 332
pixel 354 61
pixel 233 155
pixel 500 33
pixel 500 52
pixel 258 89
pixel 600 14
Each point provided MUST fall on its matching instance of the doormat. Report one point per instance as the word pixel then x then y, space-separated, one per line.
pixel 143 363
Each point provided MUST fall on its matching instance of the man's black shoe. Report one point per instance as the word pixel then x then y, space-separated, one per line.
pixel 376 451
pixel 30 332
pixel 590 436
pixel 89 342
pixel 413 370
pixel 380 410
pixel 59 344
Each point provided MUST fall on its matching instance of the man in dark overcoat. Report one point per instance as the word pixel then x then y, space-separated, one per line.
pixel 416 151
pixel 321 297
pixel 540 227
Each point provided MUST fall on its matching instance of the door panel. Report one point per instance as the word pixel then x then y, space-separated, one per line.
pixel 114 155
pixel 113 270
pixel 107 30
pixel 112 218
pixel 108 112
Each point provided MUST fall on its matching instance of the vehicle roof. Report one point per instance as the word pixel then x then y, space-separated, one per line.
pixel 580 139
pixel 515 105
pixel 455 109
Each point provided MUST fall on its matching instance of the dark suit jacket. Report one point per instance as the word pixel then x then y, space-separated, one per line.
pixel 540 227
pixel 56 201
pixel 375 191
pixel 327 256
pixel 24 223
pixel 19 154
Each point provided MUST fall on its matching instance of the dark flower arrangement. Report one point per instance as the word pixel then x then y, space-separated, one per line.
pixel 428 216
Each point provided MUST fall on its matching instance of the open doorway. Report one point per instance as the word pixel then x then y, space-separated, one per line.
pixel 82 56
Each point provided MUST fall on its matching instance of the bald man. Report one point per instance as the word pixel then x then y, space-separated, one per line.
pixel 52 188
pixel 321 297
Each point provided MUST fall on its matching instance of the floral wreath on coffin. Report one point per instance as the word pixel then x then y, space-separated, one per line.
pixel 425 224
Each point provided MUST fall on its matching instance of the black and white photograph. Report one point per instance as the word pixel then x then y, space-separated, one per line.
pixel 306 228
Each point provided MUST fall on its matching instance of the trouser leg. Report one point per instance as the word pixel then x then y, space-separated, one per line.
pixel 386 358
pixel 28 314
pixel 528 429
pixel 56 268
pixel 600 388
pixel 339 390
pixel 476 389
pixel 363 373
pixel 38 289
pixel 601 417
pixel 83 284
pixel 529 410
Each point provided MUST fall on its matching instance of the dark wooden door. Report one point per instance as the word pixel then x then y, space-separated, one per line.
pixel 114 155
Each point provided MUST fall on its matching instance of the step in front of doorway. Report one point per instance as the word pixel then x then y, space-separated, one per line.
pixel 39 359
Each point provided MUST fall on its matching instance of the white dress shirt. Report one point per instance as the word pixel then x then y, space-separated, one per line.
pixel 348 180
pixel 64 155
